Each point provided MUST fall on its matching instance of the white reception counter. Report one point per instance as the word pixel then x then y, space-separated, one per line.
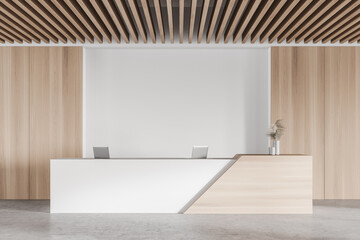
pixel 131 185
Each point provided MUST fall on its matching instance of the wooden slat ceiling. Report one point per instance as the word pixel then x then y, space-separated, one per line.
pixel 179 21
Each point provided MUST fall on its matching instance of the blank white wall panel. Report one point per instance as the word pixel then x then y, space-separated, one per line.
pixel 161 102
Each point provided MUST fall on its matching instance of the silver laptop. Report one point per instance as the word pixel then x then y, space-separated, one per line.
pixel 101 152
pixel 199 152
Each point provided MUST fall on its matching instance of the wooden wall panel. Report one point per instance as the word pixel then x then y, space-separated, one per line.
pixel 297 96
pixel 55 112
pixel 342 123
pixel 14 123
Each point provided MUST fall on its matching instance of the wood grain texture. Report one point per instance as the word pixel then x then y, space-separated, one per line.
pixel 14 123
pixel 55 111
pixel 262 185
pixel 297 97
pixel 342 123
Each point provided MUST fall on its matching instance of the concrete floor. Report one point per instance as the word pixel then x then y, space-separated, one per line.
pixel 27 220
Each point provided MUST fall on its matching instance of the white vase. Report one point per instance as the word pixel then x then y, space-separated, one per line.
pixel 277 147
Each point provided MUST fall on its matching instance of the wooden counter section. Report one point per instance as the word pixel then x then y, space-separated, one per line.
pixel 260 184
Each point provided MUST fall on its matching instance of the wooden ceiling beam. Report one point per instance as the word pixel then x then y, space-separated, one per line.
pixel 334 27
pixel 10 35
pixel 238 13
pixel 354 39
pixel 68 13
pixel 229 6
pixel 125 14
pixel 350 36
pixel 22 21
pixel 86 21
pixel 114 14
pixel 255 20
pixel 303 15
pixel 346 27
pixel 2 40
pixel 192 20
pixel 14 7
pixel 269 16
pixel 322 11
pixel 159 19
pixel 19 28
pixel 181 20
pixel 245 19
pixel 13 31
pixel 149 21
pixel 170 20
pixel 278 19
pixel 106 19
pixel 214 18
pixel 345 31
pixel 331 18
pixel 292 15
pixel 6 38
pixel 96 20
pixel 204 11
pixel 138 20
pixel 34 13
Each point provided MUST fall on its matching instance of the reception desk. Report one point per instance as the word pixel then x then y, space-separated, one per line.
pixel 243 184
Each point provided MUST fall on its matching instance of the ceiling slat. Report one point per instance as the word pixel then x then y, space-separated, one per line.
pixel 86 21
pixel 91 13
pixel 105 18
pixel 125 14
pixel 149 21
pixel 181 21
pixel 213 20
pixel 19 28
pixel 350 36
pixel 304 14
pixel 269 16
pixel 338 23
pixel 23 22
pixel 229 6
pixel 323 9
pixel 114 14
pixel 346 30
pixel 324 20
pixel 238 12
pixel 2 40
pixel 10 35
pixel 6 38
pixel 205 9
pixel 11 5
pixel 289 19
pixel 38 17
pixel 61 5
pixel 258 15
pixel 354 39
pixel 278 20
pixel 244 21
pixel 138 20
pixel 170 20
pixel 351 24
pixel 192 19
pixel 159 19
pixel 16 33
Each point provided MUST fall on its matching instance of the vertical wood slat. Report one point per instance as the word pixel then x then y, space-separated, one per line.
pixel 149 21
pixel 159 19
pixel 297 97
pixel 14 123
pixel 55 112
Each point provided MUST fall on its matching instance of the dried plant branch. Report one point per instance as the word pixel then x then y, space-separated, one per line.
pixel 277 130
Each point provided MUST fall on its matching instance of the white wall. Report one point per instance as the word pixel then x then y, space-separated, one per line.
pixel 161 102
